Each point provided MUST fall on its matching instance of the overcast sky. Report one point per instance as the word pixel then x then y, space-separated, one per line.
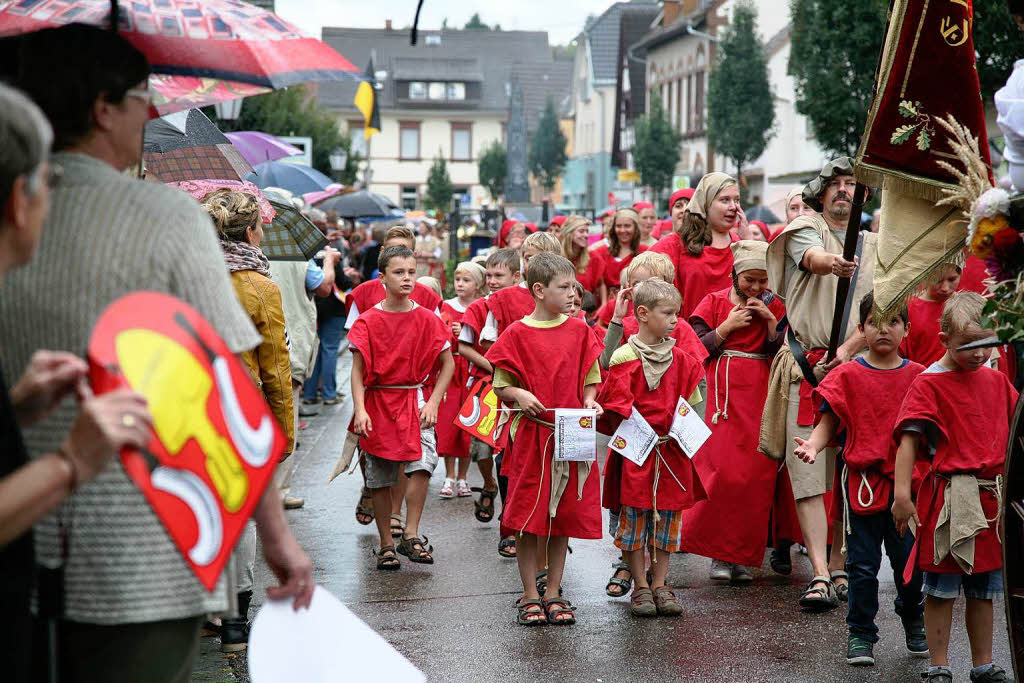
pixel 562 19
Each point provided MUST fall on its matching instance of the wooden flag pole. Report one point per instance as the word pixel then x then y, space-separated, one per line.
pixel 843 289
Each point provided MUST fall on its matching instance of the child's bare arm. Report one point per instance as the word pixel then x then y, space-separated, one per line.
pixel 360 420
pixel 527 401
pixel 590 399
pixel 819 438
pixel 903 509
pixel 469 353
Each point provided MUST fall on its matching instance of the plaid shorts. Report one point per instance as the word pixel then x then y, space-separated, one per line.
pixel 637 529
pixel 983 586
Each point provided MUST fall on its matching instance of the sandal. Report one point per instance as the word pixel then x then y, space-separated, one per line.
pixel 667 602
pixel 530 612
pixel 386 559
pixel 641 603
pixel 364 508
pixel 397 526
pixel 842 589
pixel 485 506
pixel 462 487
pixel 416 550
pixel 507 547
pixel 446 489
pixel 619 585
pixel 556 608
pixel 819 596
pixel 542 581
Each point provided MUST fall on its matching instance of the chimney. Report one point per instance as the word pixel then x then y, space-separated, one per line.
pixel 671 9
pixel 387 24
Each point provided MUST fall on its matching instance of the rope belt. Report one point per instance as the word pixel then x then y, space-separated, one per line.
pixel 864 484
pixel 728 355
pixel 658 460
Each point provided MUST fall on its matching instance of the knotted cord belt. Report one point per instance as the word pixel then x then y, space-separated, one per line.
pixel 728 355
pixel 864 484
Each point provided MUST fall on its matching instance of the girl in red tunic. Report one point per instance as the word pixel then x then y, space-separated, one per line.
pixel 575 235
pixel 648 217
pixel 738 327
pixel 452 442
pixel 699 244
pixel 623 245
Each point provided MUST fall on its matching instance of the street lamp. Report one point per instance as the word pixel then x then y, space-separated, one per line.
pixel 229 110
pixel 338 159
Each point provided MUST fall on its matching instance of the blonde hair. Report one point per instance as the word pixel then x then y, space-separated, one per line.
pixel 580 256
pixel 430 282
pixel 659 265
pixel 961 312
pixel 655 292
pixel 543 242
pixel 613 237
pixel 475 271
pixel 233 212
pixel 400 232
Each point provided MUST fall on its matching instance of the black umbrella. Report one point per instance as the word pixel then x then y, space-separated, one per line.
pixel 761 213
pixel 360 204
pixel 188 146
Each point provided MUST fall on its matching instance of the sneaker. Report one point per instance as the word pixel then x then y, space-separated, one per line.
pixel 859 652
pixel 741 574
pixel 446 489
pixel 720 571
pixel 992 675
pixel 463 489
pixel 309 409
pixel 917 642
pixel 293 502
pixel 334 401
pixel 311 401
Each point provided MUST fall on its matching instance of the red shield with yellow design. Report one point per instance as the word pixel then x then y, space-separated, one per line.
pixel 215 442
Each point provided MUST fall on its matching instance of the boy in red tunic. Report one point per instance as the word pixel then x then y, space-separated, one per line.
pixel 395 345
pixel 861 401
pixel 543 362
pixel 922 344
pixel 453 442
pixel 957 414
pixel 515 303
pixel 501 271
pixel 649 374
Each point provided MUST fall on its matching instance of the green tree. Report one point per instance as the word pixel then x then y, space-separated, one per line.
pixel 997 42
pixel 439 186
pixel 491 169
pixel 741 109
pixel 292 111
pixel 547 155
pixel 475 23
pixel 656 150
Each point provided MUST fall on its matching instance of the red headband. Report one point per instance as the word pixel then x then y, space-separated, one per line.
pixel 506 228
pixel 640 206
pixel 558 220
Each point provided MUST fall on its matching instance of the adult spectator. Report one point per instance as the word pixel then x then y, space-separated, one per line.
pixel 804 266
pixel 132 608
pixel 105 424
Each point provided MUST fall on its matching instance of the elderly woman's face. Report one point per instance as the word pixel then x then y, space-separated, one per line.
pixel 724 209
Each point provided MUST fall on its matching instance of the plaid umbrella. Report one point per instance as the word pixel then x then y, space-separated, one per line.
pixel 290 237
pixel 188 146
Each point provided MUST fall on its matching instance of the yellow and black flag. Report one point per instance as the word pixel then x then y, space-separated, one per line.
pixel 366 102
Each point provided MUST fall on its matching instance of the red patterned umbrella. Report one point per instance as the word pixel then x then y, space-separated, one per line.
pixel 227 40
pixel 178 93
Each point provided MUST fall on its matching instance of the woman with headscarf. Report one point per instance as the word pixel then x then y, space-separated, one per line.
pixel 623 245
pixel 575 233
pixel 702 234
pixel 795 205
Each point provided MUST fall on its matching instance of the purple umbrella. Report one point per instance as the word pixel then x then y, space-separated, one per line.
pixel 258 147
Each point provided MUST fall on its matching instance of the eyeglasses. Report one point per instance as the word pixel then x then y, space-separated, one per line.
pixel 144 94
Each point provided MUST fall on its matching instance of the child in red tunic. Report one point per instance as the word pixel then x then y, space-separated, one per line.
pixel 922 344
pixel 957 414
pixel 859 402
pixel 738 329
pixel 395 345
pixel 501 270
pixel 452 442
pixel 649 374
pixel 515 303
pixel 543 362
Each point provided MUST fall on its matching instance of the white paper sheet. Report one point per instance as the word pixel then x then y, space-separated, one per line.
pixel 575 435
pixel 688 429
pixel 634 439
pixel 326 643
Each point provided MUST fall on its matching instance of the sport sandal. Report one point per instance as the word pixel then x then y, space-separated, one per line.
pixel 619 585
pixel 667 602
pixel 530 612
pixel 842 589
pixel 819 596
pixel 641 603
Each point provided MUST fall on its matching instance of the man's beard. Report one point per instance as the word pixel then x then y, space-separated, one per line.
pixel 840 211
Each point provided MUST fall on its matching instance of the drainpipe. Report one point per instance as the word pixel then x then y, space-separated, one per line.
pixel 604 166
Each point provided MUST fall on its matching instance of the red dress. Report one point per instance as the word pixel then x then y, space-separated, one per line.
pixel 733 524
pixel 372 292
pixel 624 388
pixel 866 400
pixel 398 349
pixel 450 439
pixel 973 277
pixel 552 364
pixel 611 267
pixel 592 275
pixel 922 344
pixel 971 412
pixel 696 276
pixel 509 305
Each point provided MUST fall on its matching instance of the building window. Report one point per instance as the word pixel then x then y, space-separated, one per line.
pixel 699 104
pixel 462 142
pixel 435 91
pixel 409 146
pixel 417 90
pixel 410 197
pixel 456 91
pixel 360 145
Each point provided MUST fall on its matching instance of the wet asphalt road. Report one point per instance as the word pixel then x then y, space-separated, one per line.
pixel 455 620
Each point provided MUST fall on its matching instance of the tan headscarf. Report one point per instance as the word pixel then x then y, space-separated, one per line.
pixel 749 255
pixel 707 189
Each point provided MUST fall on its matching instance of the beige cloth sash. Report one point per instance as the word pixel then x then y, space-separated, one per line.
pixel 559 472
pixel 772 436
pixel 962 518
pixel 654 359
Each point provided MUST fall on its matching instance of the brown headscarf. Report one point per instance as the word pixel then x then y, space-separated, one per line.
pixel 695 231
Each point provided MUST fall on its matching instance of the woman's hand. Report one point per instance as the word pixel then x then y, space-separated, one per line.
pixel 361 423
pixel 621 304
pixel 759 308
pixel 49 377
pixel 738 318
pixel 105 425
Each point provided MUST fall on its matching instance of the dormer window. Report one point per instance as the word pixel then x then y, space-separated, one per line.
pixel 433 39
pixel 417 90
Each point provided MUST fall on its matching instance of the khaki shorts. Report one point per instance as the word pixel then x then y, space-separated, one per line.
pixel 808 480
pixel 480 450
pixel 381 473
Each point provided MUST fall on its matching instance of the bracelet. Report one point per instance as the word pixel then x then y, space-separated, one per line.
pixel 719 335
pixel 63 452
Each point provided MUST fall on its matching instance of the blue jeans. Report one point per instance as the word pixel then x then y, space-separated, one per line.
pixel 868 533
pixel 326 367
